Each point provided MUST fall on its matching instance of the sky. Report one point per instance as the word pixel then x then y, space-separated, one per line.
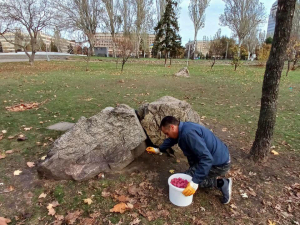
pixel 215 9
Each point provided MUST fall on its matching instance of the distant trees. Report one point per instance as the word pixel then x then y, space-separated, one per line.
pixel 242 17
pixel 197 14
pixel 269 40
pixel 25 19
pixel 167 38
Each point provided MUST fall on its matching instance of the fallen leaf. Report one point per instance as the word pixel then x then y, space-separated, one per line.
pixel 95 214
pixel 54 204
pixel 123 198
pixel 172 171
pixel 178 160
pixel 129 205
pixel 27 128
pixel 17 172
pixel 244 195
pixel 59 217
pixel 72 217
pixel 202 209
pixel 105 194
pixel 9 189
pixel 22 107
pixel 121 208
pixel 88 201
pixel 11 137
pixel 4 131
pixel 133 190
pixel 224 129
pixel 274 152
pixel 43 195
pixel 135 221
pixel 271 223
pixel 233 206
pixel 21 137
pixel 9 152
pixel 43 157
pixel 4 221
pixel 51 212
pixel 2 156
pixel 30 164
pixel 87 221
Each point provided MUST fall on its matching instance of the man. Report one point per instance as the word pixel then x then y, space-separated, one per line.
pixel 207 155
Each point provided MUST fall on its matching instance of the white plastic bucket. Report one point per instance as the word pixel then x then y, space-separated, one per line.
pixel 175 193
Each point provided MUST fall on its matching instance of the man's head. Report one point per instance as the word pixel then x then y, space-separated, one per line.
pixel 169 126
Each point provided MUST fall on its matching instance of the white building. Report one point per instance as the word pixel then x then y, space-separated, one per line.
pixel 202 46
pixel 272 20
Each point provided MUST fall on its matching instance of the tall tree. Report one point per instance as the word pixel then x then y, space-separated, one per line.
pixel 80 15
pixel 143 20
pixel 197 14
pixel 242 16
pixel 251 41
pixel 112 19
pixel 127 12
pixel 167 38
pixel 270 89
pixel 160 9
pixel 28 17
pixel 296 21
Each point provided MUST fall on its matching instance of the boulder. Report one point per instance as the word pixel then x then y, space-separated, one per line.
pixel 184 72
pixel 108 141
pixel 151 114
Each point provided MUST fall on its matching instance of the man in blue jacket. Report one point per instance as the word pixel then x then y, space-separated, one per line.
pixel 207 155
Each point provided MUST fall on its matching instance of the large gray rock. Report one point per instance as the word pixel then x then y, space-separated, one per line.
pixel 151 115
pixel 105 142
pixel 184 72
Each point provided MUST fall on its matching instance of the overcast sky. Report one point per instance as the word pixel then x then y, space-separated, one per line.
pixel 215 9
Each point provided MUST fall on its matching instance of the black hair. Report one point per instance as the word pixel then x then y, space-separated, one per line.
pixel 168 120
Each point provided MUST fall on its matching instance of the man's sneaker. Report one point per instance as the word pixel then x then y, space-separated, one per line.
pixel 226 190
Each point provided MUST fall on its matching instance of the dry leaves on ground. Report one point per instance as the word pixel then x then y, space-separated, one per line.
pixel 88 201
pixel 72 217
pixel 2 156
pixel 9 152
pixel 30 164
pixel 51 206
pixel 17 172
pixel 43 195
pixel 121 207
pixel 9 189
pixel 22 107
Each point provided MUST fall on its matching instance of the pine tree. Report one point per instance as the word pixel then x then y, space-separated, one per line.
pixel 167 38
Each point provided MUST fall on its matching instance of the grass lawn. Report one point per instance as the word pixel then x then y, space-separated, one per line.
pixel 227 100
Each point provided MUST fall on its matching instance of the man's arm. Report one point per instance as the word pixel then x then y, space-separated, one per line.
pixel 168 143
pixel 197 145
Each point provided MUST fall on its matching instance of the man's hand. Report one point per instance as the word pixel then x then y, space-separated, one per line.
pixel 190 189
pixel 153 150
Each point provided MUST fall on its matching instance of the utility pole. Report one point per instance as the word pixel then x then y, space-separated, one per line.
pixel 187 61
pixel 226 50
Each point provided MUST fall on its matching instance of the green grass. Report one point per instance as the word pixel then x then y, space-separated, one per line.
pixel 226 98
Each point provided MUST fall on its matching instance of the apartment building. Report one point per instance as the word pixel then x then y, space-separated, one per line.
pixel 202 46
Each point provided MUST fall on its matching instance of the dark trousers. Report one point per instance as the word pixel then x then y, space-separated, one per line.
pixel 211 179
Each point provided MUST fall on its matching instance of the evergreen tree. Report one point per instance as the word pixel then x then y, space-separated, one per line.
pixel 167 38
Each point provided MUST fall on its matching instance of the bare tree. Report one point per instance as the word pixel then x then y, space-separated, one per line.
pixel 126 48
pixel 270 89
pixel 112 19
pixel 25 18
pixel 127 12
pixel 80 15
pixel 197 14
pixel 242 16
pixel 296 21
pixel 251 41
pixel 160 9
pixel 143 20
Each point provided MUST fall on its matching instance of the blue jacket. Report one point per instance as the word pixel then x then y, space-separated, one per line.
pixel 201 147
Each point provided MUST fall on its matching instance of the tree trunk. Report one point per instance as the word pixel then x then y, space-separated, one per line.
pixel 267 118
pixel 288 68
pixel 239 51
pixel 31 59
pixel 114 44
pixel 195 44
pixel 166 56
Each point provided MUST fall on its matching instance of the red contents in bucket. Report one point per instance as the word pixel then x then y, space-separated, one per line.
pixel 179 182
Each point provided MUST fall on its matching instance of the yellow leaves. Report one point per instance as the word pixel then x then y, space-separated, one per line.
pixel 172 171
pixel 87 201
pixel 43 157
pixel 43 195
pixel 17 172
pixel 271 223
pixel 121 207
pixel 51 206
pixel 30 164
pixel 274 152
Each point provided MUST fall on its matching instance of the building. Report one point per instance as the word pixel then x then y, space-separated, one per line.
pixel 202 46
pixel 7 47
pixel 272 20
pixel 104 40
